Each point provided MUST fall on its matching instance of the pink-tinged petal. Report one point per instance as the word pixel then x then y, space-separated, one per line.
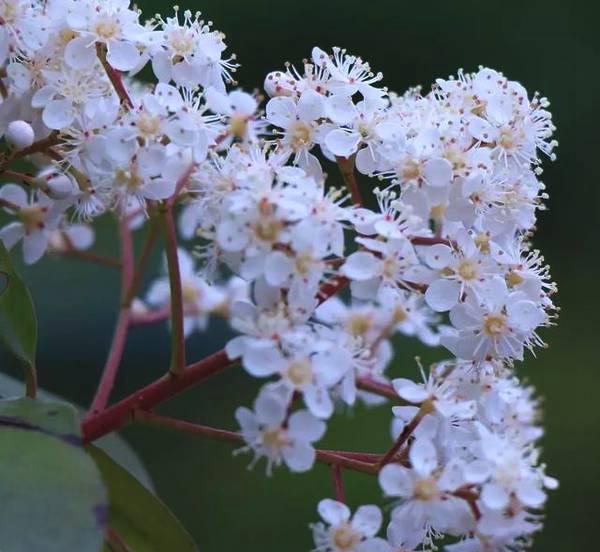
pixel 442 295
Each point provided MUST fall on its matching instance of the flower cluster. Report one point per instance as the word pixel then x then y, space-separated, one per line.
pixel 440 250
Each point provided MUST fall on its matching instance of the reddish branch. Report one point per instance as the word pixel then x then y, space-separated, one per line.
pixel 177 334
pixel 117 347
pixel 114 76
pixel 346 166
pixel 157 392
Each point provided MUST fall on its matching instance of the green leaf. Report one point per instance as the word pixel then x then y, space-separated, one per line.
pixel 52 495
pixel 18 323
pixel 143 522
pixel 113 444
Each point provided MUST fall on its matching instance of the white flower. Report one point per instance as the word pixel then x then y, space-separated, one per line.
pixel 499 326
pixel 37 219
pixel 344 533
pixel 426 490
pixel 199 298
pixel 266 436
pixel 109 22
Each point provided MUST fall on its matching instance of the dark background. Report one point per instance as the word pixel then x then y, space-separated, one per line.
pixel 548 46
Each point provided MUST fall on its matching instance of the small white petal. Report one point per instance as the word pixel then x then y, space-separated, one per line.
pixel 442 294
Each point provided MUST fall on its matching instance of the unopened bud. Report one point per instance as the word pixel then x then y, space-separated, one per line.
pixel 20 135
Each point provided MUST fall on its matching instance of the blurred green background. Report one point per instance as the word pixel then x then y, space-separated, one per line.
pixel 550 46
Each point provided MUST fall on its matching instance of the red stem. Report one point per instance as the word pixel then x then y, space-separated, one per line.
pixel 333 458
pixel 114 76
pixel 338 484
pixel 346 166
pixel 406 433
pixel 168 386
pixel 117 347
pixel 377 387
pixel 178 337
pixel 157 392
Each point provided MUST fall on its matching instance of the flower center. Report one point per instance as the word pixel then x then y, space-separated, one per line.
pixel 494 325
pixel 267 230
pixel 238 125
pixel 467 270
pixel 33 217
pixel 128 179
pixel 274 438
pixel 189 293
pixel 107 27
pixel 300 372
pixel 513 279
pixel 181 42
pixel 299 134
pixel 344 537
pixel 358 324
pixel 437 212
pixel 148 125
pixel 425 489
pixel 507 138
pixel 411 170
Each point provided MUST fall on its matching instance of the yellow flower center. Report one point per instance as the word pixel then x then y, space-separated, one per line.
pixel 299 135
pixel 467 270
pixel 344 537
pixel 425 489
pixel 300 373
pixel 494 325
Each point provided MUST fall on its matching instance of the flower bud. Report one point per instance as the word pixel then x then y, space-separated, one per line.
pixel 20 135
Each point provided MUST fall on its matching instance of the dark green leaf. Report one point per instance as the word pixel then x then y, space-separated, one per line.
pixel 52 495
pixel 18 324
pixel 113 444
pixel 143 522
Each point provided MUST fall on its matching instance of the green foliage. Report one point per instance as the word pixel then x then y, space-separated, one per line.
pixel 18 323
pixel 52 495
pixel 142 521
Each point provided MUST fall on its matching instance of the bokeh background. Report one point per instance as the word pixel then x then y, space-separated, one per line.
pixel 551 46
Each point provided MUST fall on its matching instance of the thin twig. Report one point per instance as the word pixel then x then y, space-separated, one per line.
pixel 177 314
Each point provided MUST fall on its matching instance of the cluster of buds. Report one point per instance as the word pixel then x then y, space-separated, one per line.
pixel 440 250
